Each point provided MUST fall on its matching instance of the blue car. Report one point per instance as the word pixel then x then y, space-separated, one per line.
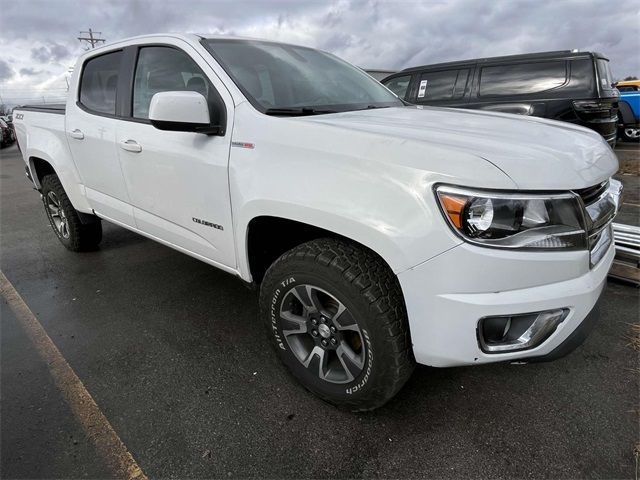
pixel 629 110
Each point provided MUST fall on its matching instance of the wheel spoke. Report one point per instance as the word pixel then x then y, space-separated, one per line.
pixel 54 199
pixel 343 320
pixel 321 354
pixel 299 321
pixel 303 297
pixel 308 296
pixel 351 362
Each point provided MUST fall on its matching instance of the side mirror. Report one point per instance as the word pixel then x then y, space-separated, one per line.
pixel 181 112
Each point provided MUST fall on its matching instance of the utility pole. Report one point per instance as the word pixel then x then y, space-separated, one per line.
pixel 90 39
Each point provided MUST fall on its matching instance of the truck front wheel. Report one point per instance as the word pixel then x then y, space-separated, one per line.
pixel 64 219
pixel 335 313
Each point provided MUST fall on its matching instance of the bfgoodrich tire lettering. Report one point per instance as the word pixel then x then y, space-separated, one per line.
pixel 64 219
pixel 335 313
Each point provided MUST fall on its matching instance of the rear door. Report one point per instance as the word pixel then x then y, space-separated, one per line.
pixel 91 129
pixel 178 181
pixel 520 87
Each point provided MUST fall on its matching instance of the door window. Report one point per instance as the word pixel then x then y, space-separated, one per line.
pixel 166 69
pixel 522 78
pixel 606 79
pixel 439 85
pixel 99 83
pixel 399 85
pixel 461 83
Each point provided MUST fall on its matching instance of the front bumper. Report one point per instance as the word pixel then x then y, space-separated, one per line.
pixel 448 295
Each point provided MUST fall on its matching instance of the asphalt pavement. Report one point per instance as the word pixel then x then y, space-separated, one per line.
pixel 172 352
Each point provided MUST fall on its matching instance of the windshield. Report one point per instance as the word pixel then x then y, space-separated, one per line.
pixel 283 79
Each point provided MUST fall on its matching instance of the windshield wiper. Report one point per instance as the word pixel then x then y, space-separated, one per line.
pixel 297 111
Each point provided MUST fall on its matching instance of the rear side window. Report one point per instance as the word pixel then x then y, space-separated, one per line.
pixel 399 85
pixel 437 85
pixel 604 72
pixel 99 83
pixel 166 69
pixel 522 78
pixel 442 85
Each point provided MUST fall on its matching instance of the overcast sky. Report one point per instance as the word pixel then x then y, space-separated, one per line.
pixel 38 37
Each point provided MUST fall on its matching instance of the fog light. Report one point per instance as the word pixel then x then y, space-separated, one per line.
pixel 511 333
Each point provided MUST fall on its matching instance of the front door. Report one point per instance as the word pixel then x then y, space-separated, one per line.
pixel 178 181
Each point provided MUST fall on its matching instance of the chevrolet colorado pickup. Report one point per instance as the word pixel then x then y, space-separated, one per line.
pixel 379 234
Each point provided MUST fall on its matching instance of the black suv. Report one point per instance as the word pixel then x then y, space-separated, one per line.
pixel 570 86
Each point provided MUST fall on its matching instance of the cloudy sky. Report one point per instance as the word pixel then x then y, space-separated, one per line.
pixel 38 37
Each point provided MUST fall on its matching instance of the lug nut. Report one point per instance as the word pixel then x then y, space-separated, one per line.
pixel 314 321
pixel 333 329
pixel 333 341
pixel 324 343
pixel 323 319
pixel 314 333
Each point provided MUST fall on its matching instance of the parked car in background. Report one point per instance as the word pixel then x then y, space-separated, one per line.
pixel 8 119
pixel 7 134
pixel 629 110
pixel 379 74
pixel 571 86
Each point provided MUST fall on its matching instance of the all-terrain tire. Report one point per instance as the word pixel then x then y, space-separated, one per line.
pixel 369 291
pixel 75 235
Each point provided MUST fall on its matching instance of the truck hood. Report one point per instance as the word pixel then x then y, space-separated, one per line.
pixel 536 153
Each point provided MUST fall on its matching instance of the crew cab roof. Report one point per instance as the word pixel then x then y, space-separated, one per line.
pixel 189 37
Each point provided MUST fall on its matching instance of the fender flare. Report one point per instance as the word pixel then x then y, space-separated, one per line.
pixel 361 233
pixel 68 178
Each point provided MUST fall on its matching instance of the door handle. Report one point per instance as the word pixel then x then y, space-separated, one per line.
pixel 77 134
pixel 131 146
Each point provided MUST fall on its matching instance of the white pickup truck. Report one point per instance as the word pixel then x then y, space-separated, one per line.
pixel 380 234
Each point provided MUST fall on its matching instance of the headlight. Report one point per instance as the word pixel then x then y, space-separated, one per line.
pixel 514 220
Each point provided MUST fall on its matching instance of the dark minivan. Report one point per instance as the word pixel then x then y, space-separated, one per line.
pixel 570 86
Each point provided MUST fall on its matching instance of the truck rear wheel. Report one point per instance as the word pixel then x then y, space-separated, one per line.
pixel 336 316
pixel 64 219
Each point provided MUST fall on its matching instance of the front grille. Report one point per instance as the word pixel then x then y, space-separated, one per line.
pixel 591 194
pixel 601 204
